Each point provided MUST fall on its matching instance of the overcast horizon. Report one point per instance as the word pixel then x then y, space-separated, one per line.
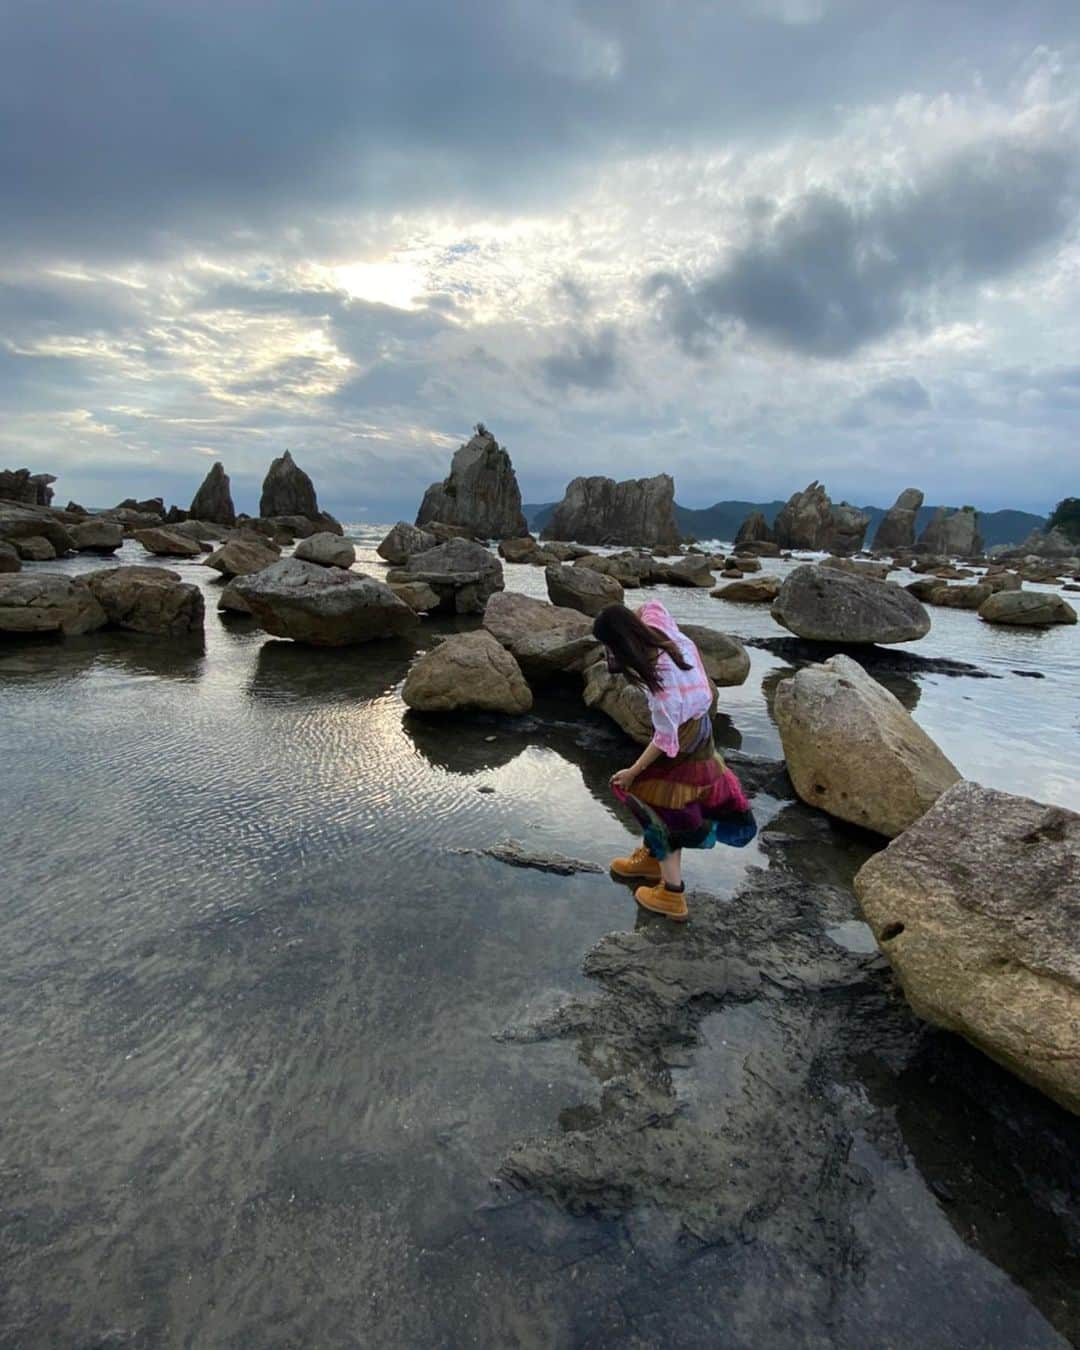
pixel 749 244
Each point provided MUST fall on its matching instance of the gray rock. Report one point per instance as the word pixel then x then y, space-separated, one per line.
pixel 19 521
pixel 752 591
pixel 959 597
pixel 288 491
pixel 952 534
pixel 977 907
pixel 897 527
pixel 35 549
pixel 168 542
pixel 545 640
pixel 403 542
pixel 480 494
pixel 20 485
pixel 630 570
pixel 148 600
pixel 754 530
pixel 326 549
pixel 1034 609
pixel 810 520
pixel 692 570
pixel 418 595
pixel 213 501
pixel 323 606
pixel 625 703
pixel 463 573
pixel 856 568
pixel 9 558
pixel 854 751
pixel 96 536
pixel 829 606
pixel 725 660
pixel 230 602
pixel 581 588
pixel 600 511
pixel 467 671
pixel 238 557
pixel 48 602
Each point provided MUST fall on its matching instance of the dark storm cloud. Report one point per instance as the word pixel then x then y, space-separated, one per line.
pixel 136 125
pixel 587 361
pixel 825 275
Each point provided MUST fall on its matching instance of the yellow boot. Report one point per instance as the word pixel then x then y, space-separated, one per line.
pixel 660 900
pixel 640 863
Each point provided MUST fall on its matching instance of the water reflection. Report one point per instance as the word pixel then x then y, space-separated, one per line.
pixel 293 672
pixel 142 654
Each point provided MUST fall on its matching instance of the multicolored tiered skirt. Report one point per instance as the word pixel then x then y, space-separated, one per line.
pixel 693 800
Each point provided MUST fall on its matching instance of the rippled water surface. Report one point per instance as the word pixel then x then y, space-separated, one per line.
pixel 251 1090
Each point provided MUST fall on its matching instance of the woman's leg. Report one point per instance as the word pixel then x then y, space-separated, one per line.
pixel 671 869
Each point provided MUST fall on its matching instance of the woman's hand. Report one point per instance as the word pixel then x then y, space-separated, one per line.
pixel 624 778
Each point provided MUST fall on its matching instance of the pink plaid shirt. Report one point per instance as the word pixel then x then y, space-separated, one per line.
pixel 685 694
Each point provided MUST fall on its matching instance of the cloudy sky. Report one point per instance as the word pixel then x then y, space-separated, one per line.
pixel 751 242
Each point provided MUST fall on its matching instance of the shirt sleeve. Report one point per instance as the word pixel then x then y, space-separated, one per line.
pixel 665 727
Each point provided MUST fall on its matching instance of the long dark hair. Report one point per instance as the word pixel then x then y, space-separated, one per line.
pixel 633 646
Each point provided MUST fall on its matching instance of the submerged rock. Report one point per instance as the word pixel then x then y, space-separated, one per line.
pixel 48 602
pixel 854 751
pixel 213 501
pixel 515 855
pixel 480 494
pixel 323 606
pixel 164 542
pixel 326 549
pixel 977 907
pixel 545 640
pixel 469 670
pixel 462 573
pixel 897 527
pixel 1036 609
pixel 148 600
pixel 581 588
pixel 829 606
pixel 599 510
pixel 404 541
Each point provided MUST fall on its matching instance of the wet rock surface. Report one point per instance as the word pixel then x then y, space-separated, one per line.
pixel 323 606
pixel 824 605
pixel 468 670
pixel 517 855
pixel 148 600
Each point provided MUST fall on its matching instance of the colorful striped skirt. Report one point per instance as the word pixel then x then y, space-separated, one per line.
pixel 693 800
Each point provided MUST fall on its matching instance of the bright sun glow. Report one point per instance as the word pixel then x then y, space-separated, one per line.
pixel 385 283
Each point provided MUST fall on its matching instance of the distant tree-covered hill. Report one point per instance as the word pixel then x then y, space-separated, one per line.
pixel 722 520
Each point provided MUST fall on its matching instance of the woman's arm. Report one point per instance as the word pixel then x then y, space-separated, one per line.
pixel 625 777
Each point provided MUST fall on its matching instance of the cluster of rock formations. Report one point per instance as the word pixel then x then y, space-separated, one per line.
pixel 808 520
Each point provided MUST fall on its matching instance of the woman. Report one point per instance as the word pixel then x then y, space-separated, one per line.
pixel 678 788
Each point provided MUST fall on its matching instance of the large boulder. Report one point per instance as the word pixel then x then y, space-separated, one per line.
pixel 323 606
pixel 952 534
pixel 1033 609
pixel 48 602
pixel 545 640
pixel 96 536
pixel 480 494
pixel 896 529
pixel 853 750
pixel 403 542
pixel 35 548
pixel 148 600
pixel 751 591
pixel 525 550
pixel 856 568
pixel 239 557
pixel 213 501
pixel 628 569
pixel 726 661
pixel 600 511
pixel 326 549
pixel 620 699
pixel 753 530
pixel 18 521
pixel 20 485
pixel 148 506
pixel 977 907
pixel 829 606
pixel 848 528
pixel 581 588
pixel 9 558
pixel 469 670
pixel 463 573
pixel 958 597
pixel 168 542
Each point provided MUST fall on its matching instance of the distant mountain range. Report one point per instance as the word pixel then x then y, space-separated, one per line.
pixel 722 520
